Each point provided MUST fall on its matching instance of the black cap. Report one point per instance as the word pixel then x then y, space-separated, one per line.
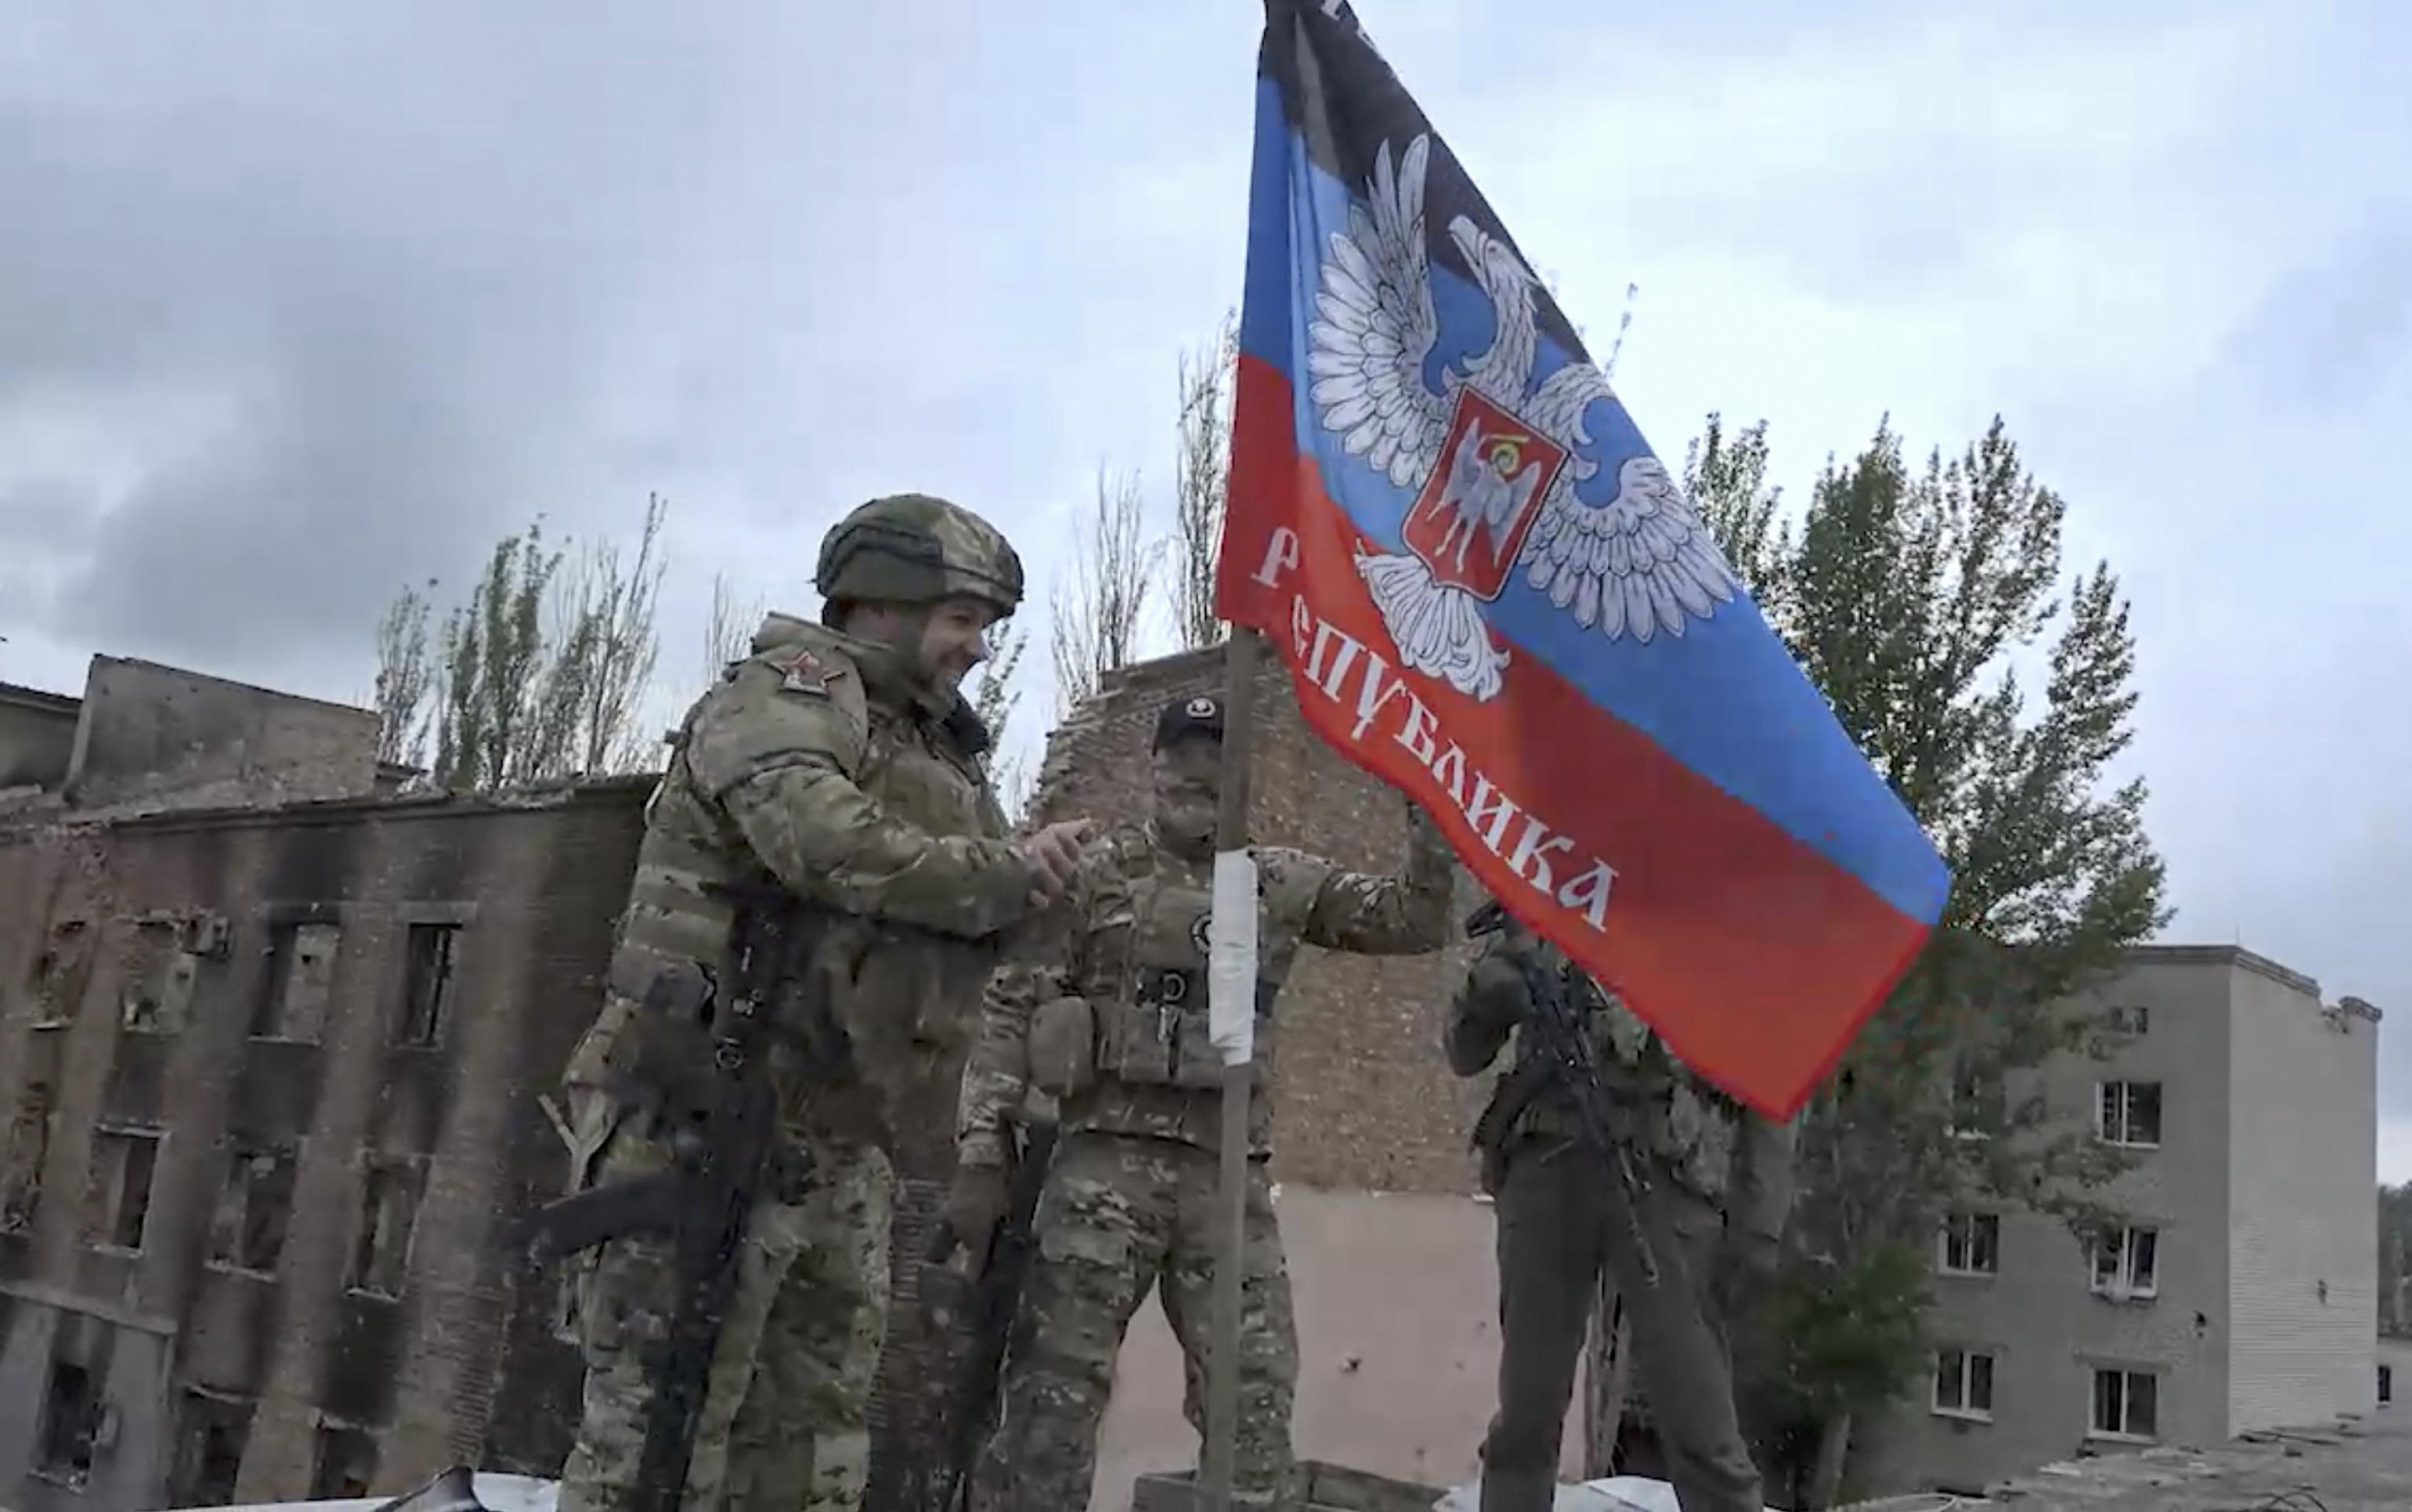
pixel 1184 717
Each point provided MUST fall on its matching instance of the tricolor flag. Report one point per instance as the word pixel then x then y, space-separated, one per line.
pixel 1492 594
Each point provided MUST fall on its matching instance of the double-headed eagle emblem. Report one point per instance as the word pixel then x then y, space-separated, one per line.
pixel 1634 567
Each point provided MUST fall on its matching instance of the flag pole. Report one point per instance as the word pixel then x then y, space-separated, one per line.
pixel 1220 1450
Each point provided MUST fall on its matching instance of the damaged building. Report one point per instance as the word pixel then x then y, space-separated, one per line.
pixel 273 1039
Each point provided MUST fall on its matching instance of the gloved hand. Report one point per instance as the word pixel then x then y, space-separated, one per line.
pixel 975 1205
pixel 1745 1267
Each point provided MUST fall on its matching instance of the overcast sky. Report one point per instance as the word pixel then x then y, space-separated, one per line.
pixel 299 302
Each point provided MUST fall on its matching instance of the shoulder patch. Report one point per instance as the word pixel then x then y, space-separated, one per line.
pixel 802 671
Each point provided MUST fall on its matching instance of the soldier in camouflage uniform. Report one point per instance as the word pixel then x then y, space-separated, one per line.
pixel 836 771
pixel 1716 1184
pixel 1116 1031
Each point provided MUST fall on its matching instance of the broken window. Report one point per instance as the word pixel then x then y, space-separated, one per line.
pixel 390 1191
pixel 210 1432
pixel 75 1403
pixel 248 1230
pixel 158 996
pixel 301 978
pixel 118 1205
pixel 59 972
pixel 427 983
pixel 20 1159
pixel 346 1464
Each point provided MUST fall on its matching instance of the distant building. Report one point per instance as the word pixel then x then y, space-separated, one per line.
pixel 2240 1291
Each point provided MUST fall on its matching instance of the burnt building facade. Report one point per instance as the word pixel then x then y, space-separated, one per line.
pixel 273 1045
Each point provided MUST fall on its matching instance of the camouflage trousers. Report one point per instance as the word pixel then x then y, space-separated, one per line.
pixel 784 1425
pixel 1120 1215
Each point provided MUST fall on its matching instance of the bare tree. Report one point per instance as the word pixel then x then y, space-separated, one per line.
pixel 729 635
pixel 1207 384
pixel 405 678
pixel 1623 324
pixel 1096 618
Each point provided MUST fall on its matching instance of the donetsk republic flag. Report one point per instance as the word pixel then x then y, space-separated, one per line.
pixel 1490 594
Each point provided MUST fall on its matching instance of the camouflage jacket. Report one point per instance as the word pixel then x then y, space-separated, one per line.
pixel 816 767
pixel 1129 942
pixel 1710 1143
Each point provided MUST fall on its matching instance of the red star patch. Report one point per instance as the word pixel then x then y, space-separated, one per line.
pixel 804 672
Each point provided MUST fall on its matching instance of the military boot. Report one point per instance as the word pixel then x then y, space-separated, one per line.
pixel 1518 1490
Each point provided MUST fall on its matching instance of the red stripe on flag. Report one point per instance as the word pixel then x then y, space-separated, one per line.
pixel 1755 957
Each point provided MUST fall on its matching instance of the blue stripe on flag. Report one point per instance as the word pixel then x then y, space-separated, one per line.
pixel 1725 698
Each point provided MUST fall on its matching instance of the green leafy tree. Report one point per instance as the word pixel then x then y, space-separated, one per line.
pixel 493 728
pixel 1915 599
pixel 537 677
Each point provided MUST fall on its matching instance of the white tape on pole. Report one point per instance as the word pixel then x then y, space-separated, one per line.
pixel 1231 958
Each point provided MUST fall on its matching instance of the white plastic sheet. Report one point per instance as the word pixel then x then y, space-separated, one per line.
pixel 1618 1494
pixel 499 1494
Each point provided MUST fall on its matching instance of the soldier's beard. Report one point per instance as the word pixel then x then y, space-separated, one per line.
pixel 1186 822
pixel 945 673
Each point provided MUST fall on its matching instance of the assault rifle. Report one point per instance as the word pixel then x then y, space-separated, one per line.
pixel 997 1304
pixel 1560 1038
pixel 706 1086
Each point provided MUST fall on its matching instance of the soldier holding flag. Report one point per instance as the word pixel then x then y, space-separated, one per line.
pixel 1116 1030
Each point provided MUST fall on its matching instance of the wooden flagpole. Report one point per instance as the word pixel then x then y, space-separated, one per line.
pixel 1219 1454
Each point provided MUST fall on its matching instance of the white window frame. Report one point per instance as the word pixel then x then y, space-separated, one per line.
pixel 2126 1431
pixel 2120 1093
pixel 2133 1274
pixel 1968 1357
pixel 1964 1231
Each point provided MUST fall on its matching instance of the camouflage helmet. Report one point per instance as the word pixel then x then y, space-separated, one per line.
pixel 913 549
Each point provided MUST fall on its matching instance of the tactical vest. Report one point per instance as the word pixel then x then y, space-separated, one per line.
pixel 1145 978
pixel 865 1031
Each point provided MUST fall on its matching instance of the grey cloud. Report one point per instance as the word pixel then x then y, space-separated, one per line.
pixel 2331 332
pixel 391 250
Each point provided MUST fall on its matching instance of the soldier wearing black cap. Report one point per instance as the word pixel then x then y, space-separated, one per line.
pixel 1113 1027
